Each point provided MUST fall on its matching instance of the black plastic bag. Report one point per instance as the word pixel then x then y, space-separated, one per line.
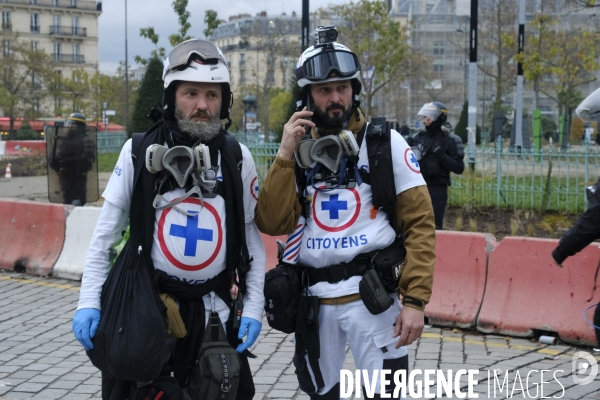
pixel 131 340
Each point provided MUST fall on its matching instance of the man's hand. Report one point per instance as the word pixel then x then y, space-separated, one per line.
pixel 409 326
pixel 84 325
pixel 293 132
pixel 252 327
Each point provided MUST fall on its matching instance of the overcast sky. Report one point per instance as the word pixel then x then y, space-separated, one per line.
pixel 160 15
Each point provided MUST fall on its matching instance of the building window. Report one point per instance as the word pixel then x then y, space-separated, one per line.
pixel 76 56
pixel 54 3
pixel 6 23
pixel 242 59
pixel 36 104
pixel 438 68
pixel 35 23
pixel 32 1
pixel 74 3
pixel 35 45
pixel 6 50
pixel 438 48
pixel 270 76
pixel 242 77
pixel 57 52
pixel 75 25
pixel 57 84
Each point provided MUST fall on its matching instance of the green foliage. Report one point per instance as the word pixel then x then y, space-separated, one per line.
pixel 158 52
pixel 278 112
pixel 25 132
pixel 548 127
pixel 378 40
pixel 184 26
pixel 461 127
pixel 212 22
pixel 107 161
pixel 150 90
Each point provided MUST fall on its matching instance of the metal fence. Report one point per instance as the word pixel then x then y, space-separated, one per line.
pixel 497 176
pixel 111 142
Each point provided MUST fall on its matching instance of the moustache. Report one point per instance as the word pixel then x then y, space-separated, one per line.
pixel 201 114
pixel 335 107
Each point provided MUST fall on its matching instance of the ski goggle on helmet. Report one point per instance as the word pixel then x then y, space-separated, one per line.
pixel 326 63
pixel 198 60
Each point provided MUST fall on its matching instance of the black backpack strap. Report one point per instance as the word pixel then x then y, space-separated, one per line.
pixel 136 144
pixel 381 167
pixel 237 150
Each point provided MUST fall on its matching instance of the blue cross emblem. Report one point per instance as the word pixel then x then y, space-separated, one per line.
pixel 333 205
pixel 191 233
pixel 413 160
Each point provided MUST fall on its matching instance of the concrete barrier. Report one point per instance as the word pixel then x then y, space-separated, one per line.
pixel 32 235
pixel 526 290
pixel 459 277
pixel 80 228
pixel 2 147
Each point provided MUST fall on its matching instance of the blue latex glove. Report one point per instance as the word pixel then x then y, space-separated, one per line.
pixel 85 323
pixel 253 327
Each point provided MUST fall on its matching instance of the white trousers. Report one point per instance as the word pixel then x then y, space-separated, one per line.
pixel 369 337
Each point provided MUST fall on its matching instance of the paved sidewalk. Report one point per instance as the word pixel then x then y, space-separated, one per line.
pixel 40 358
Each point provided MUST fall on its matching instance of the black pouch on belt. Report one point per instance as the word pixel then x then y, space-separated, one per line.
pixel 389 263
pixel 373 293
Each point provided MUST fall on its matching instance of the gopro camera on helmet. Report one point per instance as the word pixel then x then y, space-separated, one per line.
pixel 326 34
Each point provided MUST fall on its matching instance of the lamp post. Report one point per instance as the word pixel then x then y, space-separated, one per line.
pixel 466 64
pixel 249 102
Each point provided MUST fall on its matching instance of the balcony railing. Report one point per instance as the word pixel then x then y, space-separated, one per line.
pixel 68 30
pixel 7 26
pixel 78 4
pixel 34 28
pixel 69 58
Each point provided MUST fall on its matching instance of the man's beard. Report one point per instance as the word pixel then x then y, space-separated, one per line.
pixel 203 130
pixel 336 121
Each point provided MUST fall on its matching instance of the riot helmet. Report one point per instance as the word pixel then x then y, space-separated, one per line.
pixel 436 111
pixel 327 61
pixel 196 60
pixel 75 119
pixel 589 108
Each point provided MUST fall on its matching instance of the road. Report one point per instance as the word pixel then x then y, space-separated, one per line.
pixel 40 358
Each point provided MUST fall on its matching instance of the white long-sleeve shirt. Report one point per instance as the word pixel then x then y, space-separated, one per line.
pixel 187 248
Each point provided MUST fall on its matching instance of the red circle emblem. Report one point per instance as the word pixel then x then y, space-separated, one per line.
pixel 165 249
pixel 254 188
pixel 411 161
pixel 344 226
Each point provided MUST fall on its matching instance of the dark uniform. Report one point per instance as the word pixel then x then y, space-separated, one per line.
pixel 585 231
pixel 439 153
pixel 74 155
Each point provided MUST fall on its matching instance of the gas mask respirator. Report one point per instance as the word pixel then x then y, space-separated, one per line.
pixel 331 152
pixel 181 162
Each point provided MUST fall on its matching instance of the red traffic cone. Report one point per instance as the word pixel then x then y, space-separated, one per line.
pixel 8 174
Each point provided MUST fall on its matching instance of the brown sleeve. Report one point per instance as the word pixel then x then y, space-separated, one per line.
pixel 278 209
pixel 414 218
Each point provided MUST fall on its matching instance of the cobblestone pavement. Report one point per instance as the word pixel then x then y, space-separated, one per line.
pixel 40 358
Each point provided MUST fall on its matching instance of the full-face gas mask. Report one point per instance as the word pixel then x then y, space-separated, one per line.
pixel 181 162
pixel 327 150
pixel 336 153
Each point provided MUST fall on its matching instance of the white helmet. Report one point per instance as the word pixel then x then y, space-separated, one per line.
pixel 197 60
pixel 328 62
pixel 589 108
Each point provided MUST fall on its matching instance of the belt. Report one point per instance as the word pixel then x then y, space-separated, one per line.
pixel 334 301
pixel 337 273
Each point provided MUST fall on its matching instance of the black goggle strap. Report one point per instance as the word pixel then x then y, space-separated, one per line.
pixel 311 174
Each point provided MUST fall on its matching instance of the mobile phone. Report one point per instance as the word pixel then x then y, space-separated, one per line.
pixel 238 307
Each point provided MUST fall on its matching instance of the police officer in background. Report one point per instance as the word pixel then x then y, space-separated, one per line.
pixel 328 76
pixel 439 152
pixel 72 158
